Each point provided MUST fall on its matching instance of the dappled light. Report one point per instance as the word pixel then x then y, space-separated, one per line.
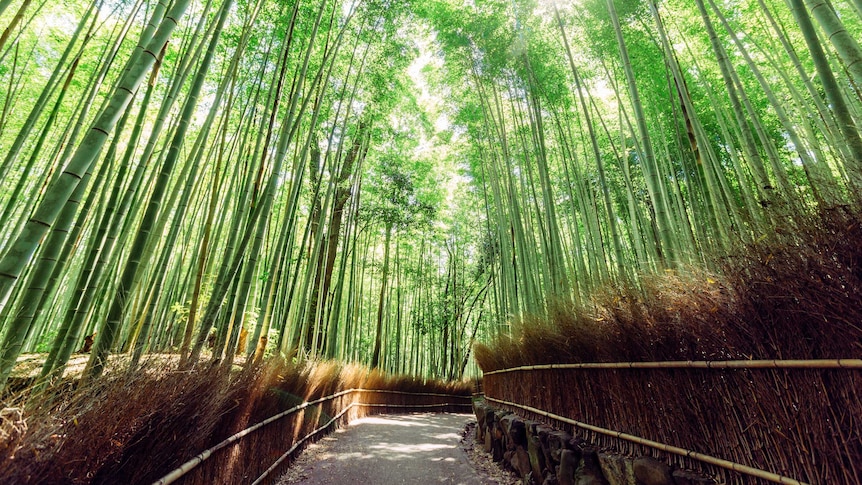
pixel 408 448
pixel 402 450
pixel 390 421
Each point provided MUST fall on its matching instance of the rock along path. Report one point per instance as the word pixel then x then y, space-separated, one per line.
pixel 390 449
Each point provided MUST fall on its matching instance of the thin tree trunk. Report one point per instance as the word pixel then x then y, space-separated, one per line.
pixel 384 279
pixel 109 329
pixel 844 119
pixel 845 44
pixel 25 244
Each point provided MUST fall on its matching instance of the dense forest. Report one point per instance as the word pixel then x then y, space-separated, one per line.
pixel 361 194
pixel 387 182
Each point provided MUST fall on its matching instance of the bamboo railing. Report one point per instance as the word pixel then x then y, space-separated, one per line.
pixel 191 464
pixel 697 364
pixel 317 431
pixel 713 413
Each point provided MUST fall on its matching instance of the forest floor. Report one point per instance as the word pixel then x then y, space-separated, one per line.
pixel 421 448
pixel 30 365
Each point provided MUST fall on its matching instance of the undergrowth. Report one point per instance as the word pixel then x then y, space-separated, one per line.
pixel 792 295
pixel 135 428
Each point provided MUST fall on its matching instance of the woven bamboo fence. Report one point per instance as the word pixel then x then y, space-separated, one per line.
pixel 764 421
pixel 275 439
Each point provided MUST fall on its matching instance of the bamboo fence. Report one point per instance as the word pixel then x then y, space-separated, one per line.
pixel 697 364
pixel 778 421
pixel 737 467
pixel 193 463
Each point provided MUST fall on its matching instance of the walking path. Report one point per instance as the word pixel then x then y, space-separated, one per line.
pixel 390 449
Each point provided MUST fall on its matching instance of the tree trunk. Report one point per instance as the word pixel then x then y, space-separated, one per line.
pixel 384 280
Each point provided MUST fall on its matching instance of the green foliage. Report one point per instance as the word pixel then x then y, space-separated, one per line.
pixel 45 341
pixel 471 148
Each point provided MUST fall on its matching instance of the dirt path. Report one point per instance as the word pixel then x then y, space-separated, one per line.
pixel 390 449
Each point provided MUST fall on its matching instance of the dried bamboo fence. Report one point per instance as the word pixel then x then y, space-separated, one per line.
pixel 742 421
pixel 291 424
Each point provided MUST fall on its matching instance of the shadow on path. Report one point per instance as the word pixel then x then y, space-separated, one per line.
pixel 413 448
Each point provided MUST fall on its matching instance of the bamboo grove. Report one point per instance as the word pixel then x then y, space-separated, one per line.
pixel 385 182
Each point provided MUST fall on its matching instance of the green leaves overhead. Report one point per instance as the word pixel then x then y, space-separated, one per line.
pixel 489 154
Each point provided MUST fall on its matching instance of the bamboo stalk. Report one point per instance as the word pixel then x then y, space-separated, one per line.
pixel 697 364
pixel 737 467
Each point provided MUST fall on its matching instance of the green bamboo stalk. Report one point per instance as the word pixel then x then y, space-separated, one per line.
pixel 27 172
pixel 55 249
pixel 110 327
pixel 261 210
pixel 26 317
pixel 189 175
pixel 821 180
pixel 27 242
pixel 19 15
pixel 597 259
pixel 728 75
pixel 840 109
pixel 101 252
pixel 652 174
pixel 47 92
pixel 844 42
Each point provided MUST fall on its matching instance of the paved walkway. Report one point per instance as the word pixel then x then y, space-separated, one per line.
pixel 390 449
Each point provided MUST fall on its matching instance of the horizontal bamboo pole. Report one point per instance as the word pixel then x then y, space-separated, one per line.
pixel 386 391
pixel 204 455
pixel 737 467
pixel 300 442
pixel 384 405
pixel 697 364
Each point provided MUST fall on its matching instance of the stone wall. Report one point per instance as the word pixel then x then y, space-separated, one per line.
pixel 542 455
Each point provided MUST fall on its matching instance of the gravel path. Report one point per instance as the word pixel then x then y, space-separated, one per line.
pixel 390 449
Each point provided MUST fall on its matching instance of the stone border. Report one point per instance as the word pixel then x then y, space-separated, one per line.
pixel 542 455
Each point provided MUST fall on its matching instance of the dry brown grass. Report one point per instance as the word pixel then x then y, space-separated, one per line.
pixel 135 428
pixel 789 296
